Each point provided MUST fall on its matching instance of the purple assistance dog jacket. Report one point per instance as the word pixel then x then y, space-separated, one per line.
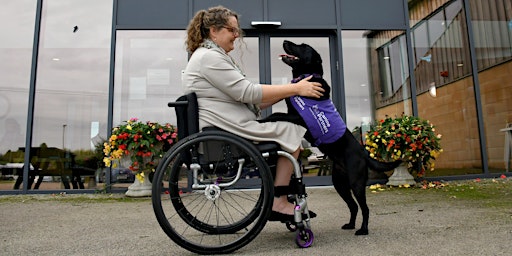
pixel 321 117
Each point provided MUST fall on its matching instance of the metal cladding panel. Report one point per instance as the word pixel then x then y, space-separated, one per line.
pixel 294 14
pixel 304 14
pixel 373 14
pixel 152 14
pixel 248 10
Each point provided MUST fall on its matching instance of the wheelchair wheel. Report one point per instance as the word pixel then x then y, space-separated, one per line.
pixel 201 197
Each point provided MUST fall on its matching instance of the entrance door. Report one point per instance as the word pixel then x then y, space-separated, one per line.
pixel 258 57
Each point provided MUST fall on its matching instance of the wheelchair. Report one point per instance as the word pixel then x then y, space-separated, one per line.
pixel 212 192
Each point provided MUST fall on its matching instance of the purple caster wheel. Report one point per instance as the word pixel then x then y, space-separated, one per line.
pixel 304 238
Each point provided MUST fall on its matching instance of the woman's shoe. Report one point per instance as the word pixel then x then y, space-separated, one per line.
pixel 312 214
pixel 277 216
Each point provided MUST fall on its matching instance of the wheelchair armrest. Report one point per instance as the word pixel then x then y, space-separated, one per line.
pixel 177 104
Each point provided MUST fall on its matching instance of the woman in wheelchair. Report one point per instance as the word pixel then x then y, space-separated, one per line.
pixel 228 101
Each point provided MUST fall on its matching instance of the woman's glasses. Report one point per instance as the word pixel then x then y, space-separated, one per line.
pixel 233 30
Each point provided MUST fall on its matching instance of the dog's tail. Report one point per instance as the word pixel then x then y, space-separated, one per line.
pixel 381 166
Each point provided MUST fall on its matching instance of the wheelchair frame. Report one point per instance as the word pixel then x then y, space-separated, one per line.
pixel 213 208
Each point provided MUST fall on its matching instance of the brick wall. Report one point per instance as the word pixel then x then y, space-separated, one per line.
pixel 453 112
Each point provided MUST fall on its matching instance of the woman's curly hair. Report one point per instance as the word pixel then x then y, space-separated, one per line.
pixel 199 27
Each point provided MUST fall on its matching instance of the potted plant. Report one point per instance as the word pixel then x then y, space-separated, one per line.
pixel 139 146
pixel 408 138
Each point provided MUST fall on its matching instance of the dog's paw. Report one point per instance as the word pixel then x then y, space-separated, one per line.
pixel 348 226
pixel 362 232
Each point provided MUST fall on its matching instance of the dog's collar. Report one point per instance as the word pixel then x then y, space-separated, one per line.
pixel 295 80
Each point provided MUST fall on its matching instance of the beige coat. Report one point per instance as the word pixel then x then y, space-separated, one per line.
pixel 222 94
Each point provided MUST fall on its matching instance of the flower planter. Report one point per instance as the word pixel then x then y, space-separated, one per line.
pixel 406 138
pixel 138 146
pixel 401 176
pixel 140 189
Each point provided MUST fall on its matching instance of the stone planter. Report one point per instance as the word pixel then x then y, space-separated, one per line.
pixel 401 176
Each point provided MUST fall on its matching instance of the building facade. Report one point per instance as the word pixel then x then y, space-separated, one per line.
pixel 72 70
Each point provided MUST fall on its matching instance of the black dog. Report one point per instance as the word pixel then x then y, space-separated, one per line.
pixel 350 160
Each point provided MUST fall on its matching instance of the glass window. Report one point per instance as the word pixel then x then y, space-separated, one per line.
pixel 390 82
pixel 445 89
pixel 148 74
pixel 421 42
pixel 356 79
pixel 148 70
pixel 492 29
pixel 71 101
pixel 17 19
pixel 282 73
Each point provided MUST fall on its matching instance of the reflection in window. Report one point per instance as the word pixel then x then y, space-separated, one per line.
pixel 439 48
pixel 389 64
pixel 15 65
pixel 71 102
pixel 148 74
pixel 492 28
pixel 445 66
pixel 492 31
pixel 393 68
pixel 357 80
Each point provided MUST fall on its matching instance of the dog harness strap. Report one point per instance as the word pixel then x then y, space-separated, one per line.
pixel 297 79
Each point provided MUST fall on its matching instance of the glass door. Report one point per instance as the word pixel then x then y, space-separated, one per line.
pixel 258 57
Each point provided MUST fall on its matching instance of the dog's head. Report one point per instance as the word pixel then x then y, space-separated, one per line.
pixel 303 59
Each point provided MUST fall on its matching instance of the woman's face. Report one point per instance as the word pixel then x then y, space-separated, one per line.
pixel 226 35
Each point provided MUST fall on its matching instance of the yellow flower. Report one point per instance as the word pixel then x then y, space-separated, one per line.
pixel 107 162
pixel 140 177
pixel 129 127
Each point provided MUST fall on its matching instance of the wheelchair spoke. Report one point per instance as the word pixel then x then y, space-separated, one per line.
pixel 211 207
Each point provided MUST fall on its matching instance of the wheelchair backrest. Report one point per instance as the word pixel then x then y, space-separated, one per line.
pixel 187 114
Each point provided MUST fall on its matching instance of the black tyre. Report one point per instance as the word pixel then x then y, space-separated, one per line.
pixel 215 210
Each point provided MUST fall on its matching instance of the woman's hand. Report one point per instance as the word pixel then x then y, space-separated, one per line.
pixel 309 89
pixel 274 93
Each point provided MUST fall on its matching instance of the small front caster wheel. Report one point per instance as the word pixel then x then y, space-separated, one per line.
pixel 304 238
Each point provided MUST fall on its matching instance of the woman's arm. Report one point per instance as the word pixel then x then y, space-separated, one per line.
pixel 274 93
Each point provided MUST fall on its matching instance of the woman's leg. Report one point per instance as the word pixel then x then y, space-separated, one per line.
pixel 284 172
